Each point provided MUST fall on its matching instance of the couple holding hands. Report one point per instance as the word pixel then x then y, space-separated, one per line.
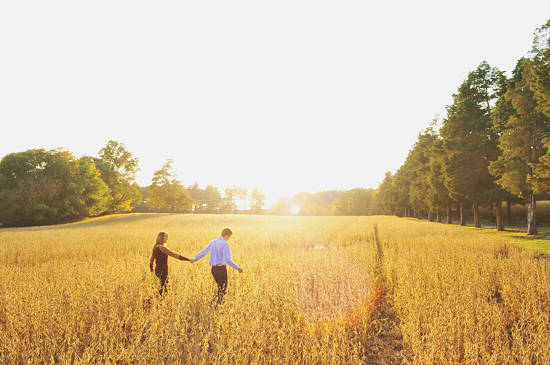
pixel 220 256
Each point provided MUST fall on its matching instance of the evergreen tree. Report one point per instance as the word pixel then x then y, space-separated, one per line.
pixel 471 143
pixel 167 191
pixel 539 69
pixel 522 128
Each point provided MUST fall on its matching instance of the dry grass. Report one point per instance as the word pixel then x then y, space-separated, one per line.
pixel 316 290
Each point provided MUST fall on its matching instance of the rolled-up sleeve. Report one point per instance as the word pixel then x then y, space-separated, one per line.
pixel 227 257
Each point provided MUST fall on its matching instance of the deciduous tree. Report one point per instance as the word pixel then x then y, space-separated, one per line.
pixel 118 170
pixel 40 187
pixel 212 199
pixel 228 201
pixel 258 200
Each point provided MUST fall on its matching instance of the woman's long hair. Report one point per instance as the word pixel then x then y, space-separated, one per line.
pixel 160 238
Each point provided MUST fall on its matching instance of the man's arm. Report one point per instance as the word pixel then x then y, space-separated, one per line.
pixel 226 254
pixel 203 253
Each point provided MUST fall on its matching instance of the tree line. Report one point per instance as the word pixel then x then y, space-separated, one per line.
pixel 43 187
pixel 492 147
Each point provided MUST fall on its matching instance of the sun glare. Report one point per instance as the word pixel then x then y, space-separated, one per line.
pixel 333 291
pixel 294 208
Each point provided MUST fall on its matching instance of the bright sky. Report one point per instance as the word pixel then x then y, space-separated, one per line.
pixel 287 96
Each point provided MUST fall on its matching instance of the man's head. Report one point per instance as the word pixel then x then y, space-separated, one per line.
pixel 227 232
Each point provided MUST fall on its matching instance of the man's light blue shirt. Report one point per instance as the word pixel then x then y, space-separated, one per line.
pixel 219 253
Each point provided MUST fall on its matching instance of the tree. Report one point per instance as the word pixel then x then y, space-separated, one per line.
pixel 418 162
pixel 351 202
pixel 385 196
pixel 242 194
pixel 212 199
pixel 519 170
pixel 118 169
pixel 228 202
pixel 39 187
pixel 539 68
pixel 437 195
pixel 400 189
pixel 167 191
pixel 197 194
pixel 258 201
pixel 93 191
pixel 471 142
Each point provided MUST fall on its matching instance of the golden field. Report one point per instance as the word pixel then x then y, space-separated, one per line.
pixel 315 290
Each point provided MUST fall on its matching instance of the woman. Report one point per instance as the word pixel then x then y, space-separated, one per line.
pixel 160 255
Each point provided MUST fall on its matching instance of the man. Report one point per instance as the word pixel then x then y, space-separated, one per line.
pixel 220 256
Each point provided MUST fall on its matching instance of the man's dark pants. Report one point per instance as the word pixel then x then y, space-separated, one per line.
pixel 220 275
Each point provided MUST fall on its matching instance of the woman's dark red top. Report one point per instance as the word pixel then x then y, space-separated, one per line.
pixel 161 260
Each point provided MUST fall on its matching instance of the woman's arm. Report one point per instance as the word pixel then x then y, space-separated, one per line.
pixel 152 260
pixel 165 250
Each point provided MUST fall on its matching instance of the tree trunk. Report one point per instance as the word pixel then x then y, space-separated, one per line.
pixel 498 213
pixel 477 221
pixel 462 215
pixel 531 219
pixel 430 217
pixel 509 211
pixel 439 217
pixel 449 216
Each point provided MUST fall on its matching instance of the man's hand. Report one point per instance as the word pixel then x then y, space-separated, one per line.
pixel 240 271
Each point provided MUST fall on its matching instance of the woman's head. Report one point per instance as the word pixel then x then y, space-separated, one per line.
pixel 161 238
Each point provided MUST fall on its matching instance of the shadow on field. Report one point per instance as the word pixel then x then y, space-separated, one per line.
pixel 91 222
pixel 386 345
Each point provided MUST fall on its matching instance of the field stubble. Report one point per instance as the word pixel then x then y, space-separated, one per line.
pixel 346 290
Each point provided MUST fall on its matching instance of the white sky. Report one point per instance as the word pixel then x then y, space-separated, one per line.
pixel 287 96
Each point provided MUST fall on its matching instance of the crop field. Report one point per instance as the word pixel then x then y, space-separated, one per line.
pixel 315 290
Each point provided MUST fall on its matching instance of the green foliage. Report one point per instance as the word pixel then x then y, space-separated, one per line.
pixel 353 202
pixel 386 196
pixel 167 191
pixel 212 199
pixel 438 197
pixel 39 187
pixel 520 169
pixel 92 189
pixel 470 140
pixel 118 169
pixel 539 68
pixel 207 200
